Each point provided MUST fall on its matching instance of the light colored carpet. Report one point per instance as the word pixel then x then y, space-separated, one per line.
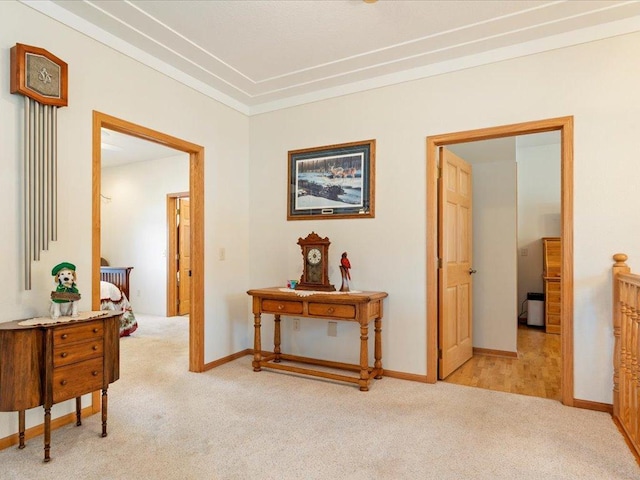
pixel 233 423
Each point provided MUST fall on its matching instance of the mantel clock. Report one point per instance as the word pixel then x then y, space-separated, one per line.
pixel 315 263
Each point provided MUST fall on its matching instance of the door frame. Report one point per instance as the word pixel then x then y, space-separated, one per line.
pixel 565 126
pixel 172 252
pixel 196 193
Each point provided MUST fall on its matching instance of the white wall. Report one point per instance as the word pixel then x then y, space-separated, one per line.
pixel 494 256
pixel 595 82
pixel 246 204
pixel 101 79
pixel 538 211
pixel 134 224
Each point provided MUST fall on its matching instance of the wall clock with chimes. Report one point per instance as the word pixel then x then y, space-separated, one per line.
pixel 38 74
pixel 315 263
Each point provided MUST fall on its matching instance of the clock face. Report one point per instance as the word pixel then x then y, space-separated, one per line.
pixel 314 256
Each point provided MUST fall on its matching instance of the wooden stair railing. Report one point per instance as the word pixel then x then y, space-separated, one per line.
pixel 626 370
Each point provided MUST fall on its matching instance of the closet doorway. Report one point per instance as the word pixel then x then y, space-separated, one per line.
pixel 435 294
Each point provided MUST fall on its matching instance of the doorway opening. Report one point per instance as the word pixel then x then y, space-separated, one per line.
pixel 196 210
pixel 436 297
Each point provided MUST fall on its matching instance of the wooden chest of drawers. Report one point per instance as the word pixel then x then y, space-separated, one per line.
pixel 47 364
pixel 78 363
pixel 552 305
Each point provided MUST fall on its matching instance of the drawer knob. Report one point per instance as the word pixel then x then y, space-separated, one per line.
pixel 331 310
pixel 95 347
pixel 63 382
pixel 64 336
pixel 280 307
pixel 94 373
pixel 95 330
pixel 64 354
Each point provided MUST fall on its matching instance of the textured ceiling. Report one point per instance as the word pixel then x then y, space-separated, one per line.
pixel 261 55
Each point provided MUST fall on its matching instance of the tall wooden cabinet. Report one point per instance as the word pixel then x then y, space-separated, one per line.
pixel 551 274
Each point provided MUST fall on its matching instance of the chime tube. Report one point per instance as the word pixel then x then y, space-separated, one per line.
pixel 26 193
pixel 54 174
pixel 36 183
pixel 40 182
pixel 46 174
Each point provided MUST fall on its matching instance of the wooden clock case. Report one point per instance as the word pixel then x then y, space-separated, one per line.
pixel 315 276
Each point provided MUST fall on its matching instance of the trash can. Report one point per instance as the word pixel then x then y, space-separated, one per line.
pixel 535 309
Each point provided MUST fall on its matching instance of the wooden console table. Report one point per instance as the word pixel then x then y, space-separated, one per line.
pixel 354 307
pixel 47 364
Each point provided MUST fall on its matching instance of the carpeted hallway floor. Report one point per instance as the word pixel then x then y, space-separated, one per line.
pixel 233 423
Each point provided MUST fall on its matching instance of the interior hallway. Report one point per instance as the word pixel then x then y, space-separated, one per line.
pixel 535 372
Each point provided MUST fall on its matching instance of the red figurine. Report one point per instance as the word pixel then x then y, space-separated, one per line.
pixel 345 265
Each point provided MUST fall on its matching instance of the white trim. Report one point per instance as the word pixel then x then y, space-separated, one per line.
pixel 567 39
pixel 563 40
pixel 73 21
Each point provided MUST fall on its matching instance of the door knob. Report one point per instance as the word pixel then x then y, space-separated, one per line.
pixel 472 271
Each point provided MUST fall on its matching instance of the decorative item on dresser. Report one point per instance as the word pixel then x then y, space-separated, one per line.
pixel 315 263
pixel 45 361
pixel 345 266
pixel 551 274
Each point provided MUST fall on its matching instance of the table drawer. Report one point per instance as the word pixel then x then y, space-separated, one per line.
pixel 281 306
pixel 75 380
pixel 553 308
pixel 553 319
pixel 78 333
pixel 553 297
pixel 553 286
pixel 332 310
pixel 67 354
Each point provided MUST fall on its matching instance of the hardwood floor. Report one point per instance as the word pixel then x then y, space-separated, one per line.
pixel 535 372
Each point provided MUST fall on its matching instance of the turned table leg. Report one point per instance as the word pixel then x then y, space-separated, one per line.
pixel 377 353
pixel 21 428
pixel 47 434
pixel 78 411
pixel 364 357
pixel 257 344
pixel 105 402
pixel 276 339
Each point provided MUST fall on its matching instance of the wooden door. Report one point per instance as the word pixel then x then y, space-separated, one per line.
pixel 184 258
pixel 455 323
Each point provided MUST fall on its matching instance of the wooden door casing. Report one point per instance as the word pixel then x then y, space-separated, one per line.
pixel 563 125
pixel 195 193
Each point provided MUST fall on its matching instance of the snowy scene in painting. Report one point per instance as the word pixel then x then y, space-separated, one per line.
pixel 329 182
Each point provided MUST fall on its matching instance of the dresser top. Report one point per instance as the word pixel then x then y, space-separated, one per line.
pixel 15 324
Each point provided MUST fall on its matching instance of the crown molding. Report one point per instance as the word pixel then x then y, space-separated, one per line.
pixel 563 40
pixel 71 20
pixel 554 42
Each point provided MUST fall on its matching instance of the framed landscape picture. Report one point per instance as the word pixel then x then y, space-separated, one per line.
pixel 335 181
